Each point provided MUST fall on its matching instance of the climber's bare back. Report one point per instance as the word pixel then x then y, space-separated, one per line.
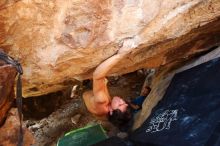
pixel 97 108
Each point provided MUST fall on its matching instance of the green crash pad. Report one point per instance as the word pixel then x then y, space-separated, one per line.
pixel 85 136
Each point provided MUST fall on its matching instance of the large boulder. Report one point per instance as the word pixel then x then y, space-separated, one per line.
pixel 60 41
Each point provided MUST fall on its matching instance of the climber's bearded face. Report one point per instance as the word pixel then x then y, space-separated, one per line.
pixel 119 103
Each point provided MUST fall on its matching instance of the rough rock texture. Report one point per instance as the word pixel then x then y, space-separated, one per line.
pixel 47 130
pixel 7 79
pixel 59 41
pixel 10 130
pixel 162 80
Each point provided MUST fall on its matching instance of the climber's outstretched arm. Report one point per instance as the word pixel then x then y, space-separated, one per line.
pixel 103 69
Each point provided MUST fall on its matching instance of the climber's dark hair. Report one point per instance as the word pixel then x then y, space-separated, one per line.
pixel 119 118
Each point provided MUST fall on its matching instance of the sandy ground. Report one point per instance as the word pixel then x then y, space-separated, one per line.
pixel 51 116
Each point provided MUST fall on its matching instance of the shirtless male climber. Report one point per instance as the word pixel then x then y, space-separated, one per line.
pixel 98 101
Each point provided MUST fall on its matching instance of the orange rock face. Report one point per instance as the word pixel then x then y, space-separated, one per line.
pixel 60 41
pixel 7 79
pixel 10 130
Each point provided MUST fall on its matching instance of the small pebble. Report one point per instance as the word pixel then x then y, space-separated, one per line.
pixel 122 135
pixel 73 91
pixel 140 72
pixel 75 119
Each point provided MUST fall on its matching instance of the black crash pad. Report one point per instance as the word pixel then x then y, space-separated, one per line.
pixel 189 113
pixel 113 141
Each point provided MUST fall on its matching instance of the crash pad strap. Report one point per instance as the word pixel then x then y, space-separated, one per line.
pixel 17 65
